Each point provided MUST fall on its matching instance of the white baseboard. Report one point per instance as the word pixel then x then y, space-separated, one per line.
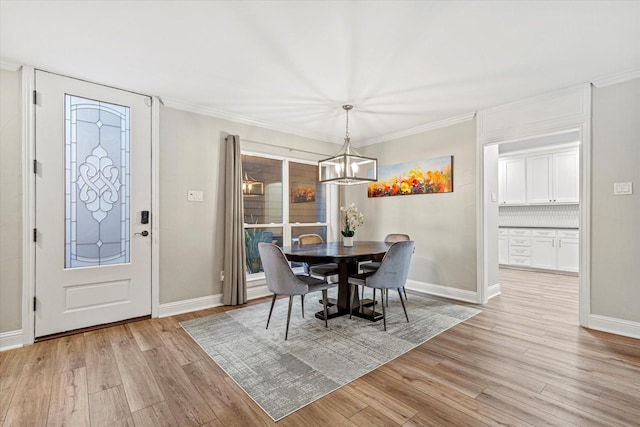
pixel 188 305
pixel 442 291
pixel 258 292
pixel 493 291
pixel 612 325
pixel 11 339
pixel 185 306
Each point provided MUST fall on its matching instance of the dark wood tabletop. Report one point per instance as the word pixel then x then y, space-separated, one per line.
pixel 336 252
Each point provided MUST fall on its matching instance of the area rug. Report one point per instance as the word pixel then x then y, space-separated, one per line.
pixel 283 376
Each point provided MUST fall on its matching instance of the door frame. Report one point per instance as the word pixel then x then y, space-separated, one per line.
pixel 579 120
pixel 29 205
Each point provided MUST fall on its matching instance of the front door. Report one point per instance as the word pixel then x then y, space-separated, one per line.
pixel 93 187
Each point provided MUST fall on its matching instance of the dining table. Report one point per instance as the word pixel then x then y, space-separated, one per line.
pixel 347 258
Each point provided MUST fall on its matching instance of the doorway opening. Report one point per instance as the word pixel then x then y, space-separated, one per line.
pixel 532 221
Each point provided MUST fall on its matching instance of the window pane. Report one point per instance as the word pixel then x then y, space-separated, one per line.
pixel 307 201
pixel 262 190
pixel 97 184
pixel 253 236
pixel 320 230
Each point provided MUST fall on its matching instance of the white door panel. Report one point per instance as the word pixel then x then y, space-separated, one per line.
pixel 90 267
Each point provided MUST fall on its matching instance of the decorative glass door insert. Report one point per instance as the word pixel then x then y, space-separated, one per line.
pixel 96 183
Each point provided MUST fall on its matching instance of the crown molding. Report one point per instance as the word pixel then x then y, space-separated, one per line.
pixel 9 66
pixel 237 118
pixel 420 129
pixel 612 79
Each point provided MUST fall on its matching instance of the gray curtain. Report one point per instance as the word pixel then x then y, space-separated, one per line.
pixel 234 287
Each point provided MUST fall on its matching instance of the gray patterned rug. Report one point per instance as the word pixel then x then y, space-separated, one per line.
pixel 283 376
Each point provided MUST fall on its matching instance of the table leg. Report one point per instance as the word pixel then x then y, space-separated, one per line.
pixel 341 306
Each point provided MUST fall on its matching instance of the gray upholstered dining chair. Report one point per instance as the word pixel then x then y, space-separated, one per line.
pixel 392 274
pixel 322 270
pixel 281 280
pixel 368 267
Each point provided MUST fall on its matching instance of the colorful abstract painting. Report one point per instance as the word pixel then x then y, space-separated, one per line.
pixel 420 177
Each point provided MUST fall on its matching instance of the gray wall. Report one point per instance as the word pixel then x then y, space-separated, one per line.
pixel 615 220
pixel 10 201
pixel 192 158
pixel 442 225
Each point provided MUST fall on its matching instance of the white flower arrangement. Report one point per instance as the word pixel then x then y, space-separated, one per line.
pixel 352 220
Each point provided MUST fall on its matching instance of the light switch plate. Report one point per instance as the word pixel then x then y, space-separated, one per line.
pixel 194 196
pixel 622 188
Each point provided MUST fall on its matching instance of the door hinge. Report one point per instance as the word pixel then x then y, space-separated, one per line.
pixel 35 98
pixel 35 234
pixel 35 166
pixel 35 303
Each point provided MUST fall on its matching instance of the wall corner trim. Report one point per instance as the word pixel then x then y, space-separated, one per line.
pixel 612 325
pixel 443 291
pixel 237 118
pixel 612 79
pixel 9 66
pixel 421 129
pixel 10 340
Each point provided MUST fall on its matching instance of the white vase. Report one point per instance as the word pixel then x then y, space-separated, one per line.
pixel 348 241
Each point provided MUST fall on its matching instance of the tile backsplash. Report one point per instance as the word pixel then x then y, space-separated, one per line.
pixel 539 216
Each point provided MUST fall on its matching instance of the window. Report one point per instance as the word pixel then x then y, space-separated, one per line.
pixel 282 200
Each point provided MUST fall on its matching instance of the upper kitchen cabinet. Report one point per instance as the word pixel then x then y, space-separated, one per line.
pixel 566 177
pixel 553 177
pixel 512 181
pixel 540 178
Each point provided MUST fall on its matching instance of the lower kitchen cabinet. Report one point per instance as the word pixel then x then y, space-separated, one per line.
pixel 568 254
pixel 543 252
pixel 503 249
pixel 549 249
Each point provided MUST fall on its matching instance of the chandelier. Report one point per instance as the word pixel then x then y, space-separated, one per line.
pixel 251 186
pixel 347 167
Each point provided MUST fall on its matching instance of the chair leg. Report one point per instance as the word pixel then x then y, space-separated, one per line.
pixel 324 303
pixel 374 299
pixel 273 301
pixel 405 292
pixel 384 314
pixel 302 303
pixel 350 299
pixel 403 306
pixel 286 332
pixel 386 295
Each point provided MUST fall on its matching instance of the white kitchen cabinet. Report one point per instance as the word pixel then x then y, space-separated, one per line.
pixel 539 171
pixel 503 246
pixel 566 177
pixel 553 177
pixel 549 249
pixel 520 246
pixel 512 181
pixel 568 258
pixel 543 249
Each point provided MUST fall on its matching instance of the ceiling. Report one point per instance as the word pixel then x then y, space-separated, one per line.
pixel 290 65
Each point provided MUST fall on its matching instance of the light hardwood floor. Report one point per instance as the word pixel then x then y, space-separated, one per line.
pixel 523 361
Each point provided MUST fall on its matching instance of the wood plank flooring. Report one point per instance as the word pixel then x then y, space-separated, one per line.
pixel 523 361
